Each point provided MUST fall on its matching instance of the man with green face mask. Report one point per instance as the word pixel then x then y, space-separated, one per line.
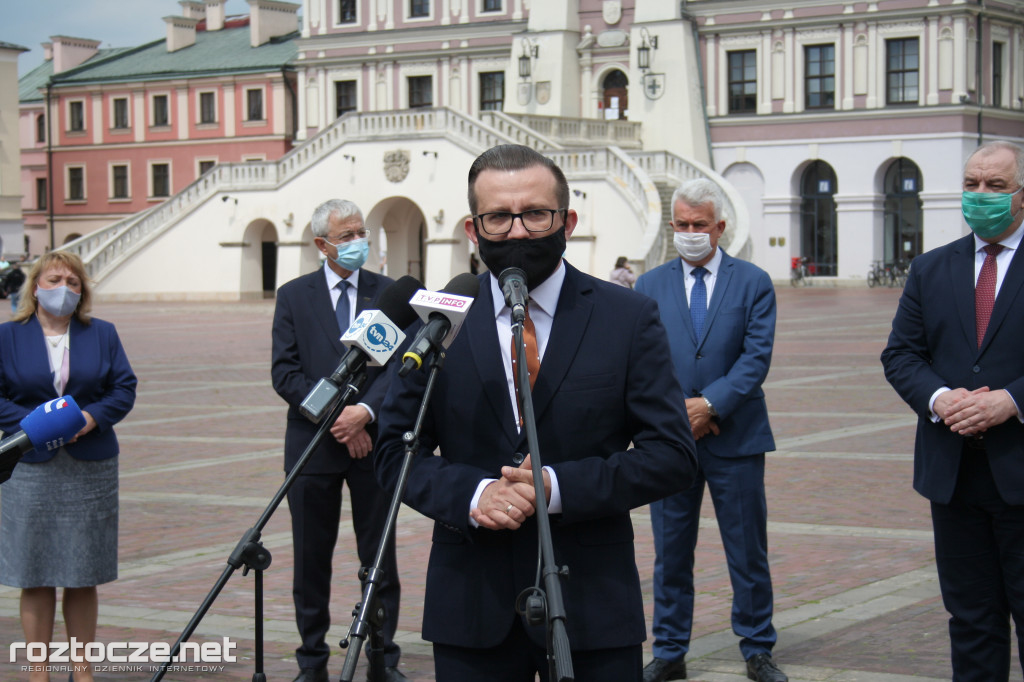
pixel 954 355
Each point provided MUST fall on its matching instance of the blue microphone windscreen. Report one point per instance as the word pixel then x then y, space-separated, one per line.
pixel 53 423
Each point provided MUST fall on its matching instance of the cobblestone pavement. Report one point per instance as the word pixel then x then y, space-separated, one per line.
pixel 856 594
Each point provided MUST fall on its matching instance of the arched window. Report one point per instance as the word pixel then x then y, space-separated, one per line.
pixel 818 219
pixel 903 220
pixel 615 95
pixel 41 128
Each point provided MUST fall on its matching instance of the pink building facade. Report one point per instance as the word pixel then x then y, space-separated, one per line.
pixel 132 127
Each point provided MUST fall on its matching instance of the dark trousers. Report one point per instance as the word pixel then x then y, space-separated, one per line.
pixel 979 551
pixel 315 504
pixel 736 485
pixel 518 659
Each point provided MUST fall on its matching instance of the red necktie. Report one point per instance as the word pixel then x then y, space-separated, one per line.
pixel 532 359
pixel 985 290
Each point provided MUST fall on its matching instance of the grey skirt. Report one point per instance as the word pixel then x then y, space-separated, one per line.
pixel 58 523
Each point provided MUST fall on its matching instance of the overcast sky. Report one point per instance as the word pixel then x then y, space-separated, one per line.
pixel 116 23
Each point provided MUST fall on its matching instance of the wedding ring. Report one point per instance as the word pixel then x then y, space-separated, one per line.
pixel 508 509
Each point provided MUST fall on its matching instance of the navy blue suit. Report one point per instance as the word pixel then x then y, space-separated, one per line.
pixel 306 348
pixel 601 386
pixel 727 365
pixel 976 485
pixel 100 380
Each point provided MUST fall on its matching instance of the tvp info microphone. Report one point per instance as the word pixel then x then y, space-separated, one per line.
pixel 442 312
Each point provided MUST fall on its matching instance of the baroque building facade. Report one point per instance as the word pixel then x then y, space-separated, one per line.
pixel 837 128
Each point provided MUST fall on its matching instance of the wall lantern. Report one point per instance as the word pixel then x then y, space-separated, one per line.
pixel 643 51
pixel 530 51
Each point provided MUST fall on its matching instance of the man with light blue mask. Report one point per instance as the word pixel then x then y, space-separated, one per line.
pixel 719 312
pixel 312 313
pixel 954 355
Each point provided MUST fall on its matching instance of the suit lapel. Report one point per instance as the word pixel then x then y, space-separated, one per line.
pixel 677 290
pixel 1007 296
pixel 366 292
pixel 722 281
pixel 482 337
pixel 962 278
pixel 570 323
pixel 323 311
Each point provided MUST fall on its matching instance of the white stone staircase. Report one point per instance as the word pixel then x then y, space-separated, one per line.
pixel 629 174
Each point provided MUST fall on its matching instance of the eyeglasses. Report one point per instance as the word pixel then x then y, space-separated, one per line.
pixel 681 225
pixel 346 237
pixel 534 220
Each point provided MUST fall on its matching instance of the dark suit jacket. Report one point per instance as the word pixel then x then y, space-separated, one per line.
pixel 602 384
pixel 306 348
pixel 730 361
pixel 100 379
pixel 934 343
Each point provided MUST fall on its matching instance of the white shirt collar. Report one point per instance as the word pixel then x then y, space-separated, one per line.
pixel 1011 242
pixel 333 278
pixel 712 266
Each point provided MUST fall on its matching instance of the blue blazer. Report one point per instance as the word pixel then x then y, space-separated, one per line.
pixel 601 387
pixel 306 348
pixel 100 379
pixel 934 343
pixel 730 361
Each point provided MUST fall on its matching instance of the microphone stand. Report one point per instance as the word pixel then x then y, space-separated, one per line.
pixel 250 552
pixel 552 609
pixel 369 610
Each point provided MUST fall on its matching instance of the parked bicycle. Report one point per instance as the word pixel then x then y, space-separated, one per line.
pixel 888 274
pixel 799 272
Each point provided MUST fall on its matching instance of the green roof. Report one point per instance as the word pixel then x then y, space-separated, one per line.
pixel 214 53
pixel 32 84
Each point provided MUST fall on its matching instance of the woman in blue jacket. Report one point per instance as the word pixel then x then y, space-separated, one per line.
pixel 58 512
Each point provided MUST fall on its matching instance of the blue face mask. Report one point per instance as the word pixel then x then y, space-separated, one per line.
pixel 988 213
pixel 59 301
pixel 352 255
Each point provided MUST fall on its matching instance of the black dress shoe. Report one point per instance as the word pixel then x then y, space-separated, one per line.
pixel 660 670
pixel 761 668
pixel 312 675
pixel 392 674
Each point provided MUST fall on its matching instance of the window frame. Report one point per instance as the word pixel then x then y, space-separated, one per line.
pixel 41 128
pixel 339 19
pixel 152 179
pixel 113 180
pixel 338 112
pixel 484 9
pixel 42 194
pixel 729 82
pixel 484 100
pixel 73 106
pixel 166 98
pixel 998 72
pixel 249 93
pixel 201 96
pixel 116 121
pixel 69 185
pixel 414 10
pixel 420 79
pixel 820 78
pixel 901 72
pixel 213 161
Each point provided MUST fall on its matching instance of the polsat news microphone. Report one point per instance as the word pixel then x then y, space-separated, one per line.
pixel 48 427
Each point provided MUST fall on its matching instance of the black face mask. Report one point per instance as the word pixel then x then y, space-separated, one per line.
pixel 538 258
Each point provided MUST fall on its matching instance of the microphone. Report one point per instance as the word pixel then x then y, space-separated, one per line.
pixel 48 426
pixel 513 286
pixel 372 339
pixel 442 312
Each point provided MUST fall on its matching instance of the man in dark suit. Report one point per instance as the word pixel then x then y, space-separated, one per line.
pixel 954 355
pixel 720 315
pixel 312 313
pixel 600 386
